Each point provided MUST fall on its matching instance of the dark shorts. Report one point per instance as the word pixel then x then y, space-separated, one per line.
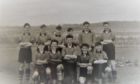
pixel 69 72
pixel 110 50
pixel 53 67
pixel 42 71
pixel 69 69
pixel 25 55
pixel 99 69
pixel 83 72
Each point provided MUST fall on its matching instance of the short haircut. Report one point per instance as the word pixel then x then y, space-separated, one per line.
pixel 58 27
pixel 44 49
pixel 86 23
pixel 43 26
pixel 69 29
pixel 98 44
pixel 69 36
pixel 54 41
pixel 85 44
pixel 26 24
pixel 104 23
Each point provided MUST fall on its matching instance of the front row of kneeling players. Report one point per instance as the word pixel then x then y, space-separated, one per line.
pixel 69 64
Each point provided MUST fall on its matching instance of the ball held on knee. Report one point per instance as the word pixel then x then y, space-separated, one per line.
pixel 59 67
pixel 48 71
pixel 108 69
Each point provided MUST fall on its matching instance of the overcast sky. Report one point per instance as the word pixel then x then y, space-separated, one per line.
pixel 36 12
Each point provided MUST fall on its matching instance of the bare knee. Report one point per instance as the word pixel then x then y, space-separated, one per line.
pixel 82 80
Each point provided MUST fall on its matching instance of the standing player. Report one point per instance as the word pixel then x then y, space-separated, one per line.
pixel 57 35
pixel 87 36
pixel 108 38
pixel 70 53
pixel 25 53
pixel 43 37
pixel 70 31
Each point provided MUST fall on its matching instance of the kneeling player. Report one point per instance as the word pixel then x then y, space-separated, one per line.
pixel 41 63
pixel 69 60
pixel 100 62
pixel 84 63
pixel 55 62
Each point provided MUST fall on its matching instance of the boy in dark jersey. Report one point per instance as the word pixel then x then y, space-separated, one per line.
pixel 70 53
pixel 55 62
pixel 41 63
pixel 84 63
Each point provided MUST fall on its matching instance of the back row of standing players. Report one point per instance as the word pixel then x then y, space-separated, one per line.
pixel 60 55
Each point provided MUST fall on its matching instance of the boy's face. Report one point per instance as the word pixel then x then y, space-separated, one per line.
pixel 85 49
pixel 99 48
pixel 41 48
pixel 58 34
pixel 86 27
pixel 70 32
pixel 106 25
pixel 43 29
pixel 106 30
pixel 69 40
pixel 54 45
pixel 27 28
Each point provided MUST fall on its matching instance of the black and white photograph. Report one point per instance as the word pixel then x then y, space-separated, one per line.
pixel 69 41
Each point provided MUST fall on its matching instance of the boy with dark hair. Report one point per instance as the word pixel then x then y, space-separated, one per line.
pixel 107 39
pixel 57 35
pixel 86 36
pixel 25 53
pixel 43 37
pixel 41 62
pixel 70 31
pixel 86 23
pixel 55 62
pixel 70 53
pixel 84 62
pixel 100 62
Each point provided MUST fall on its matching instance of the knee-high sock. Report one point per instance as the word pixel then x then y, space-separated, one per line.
pixel 114 74
pixel 21 73
pixel 27 72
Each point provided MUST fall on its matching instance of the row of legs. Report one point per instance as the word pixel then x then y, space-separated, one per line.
pixel 25 72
